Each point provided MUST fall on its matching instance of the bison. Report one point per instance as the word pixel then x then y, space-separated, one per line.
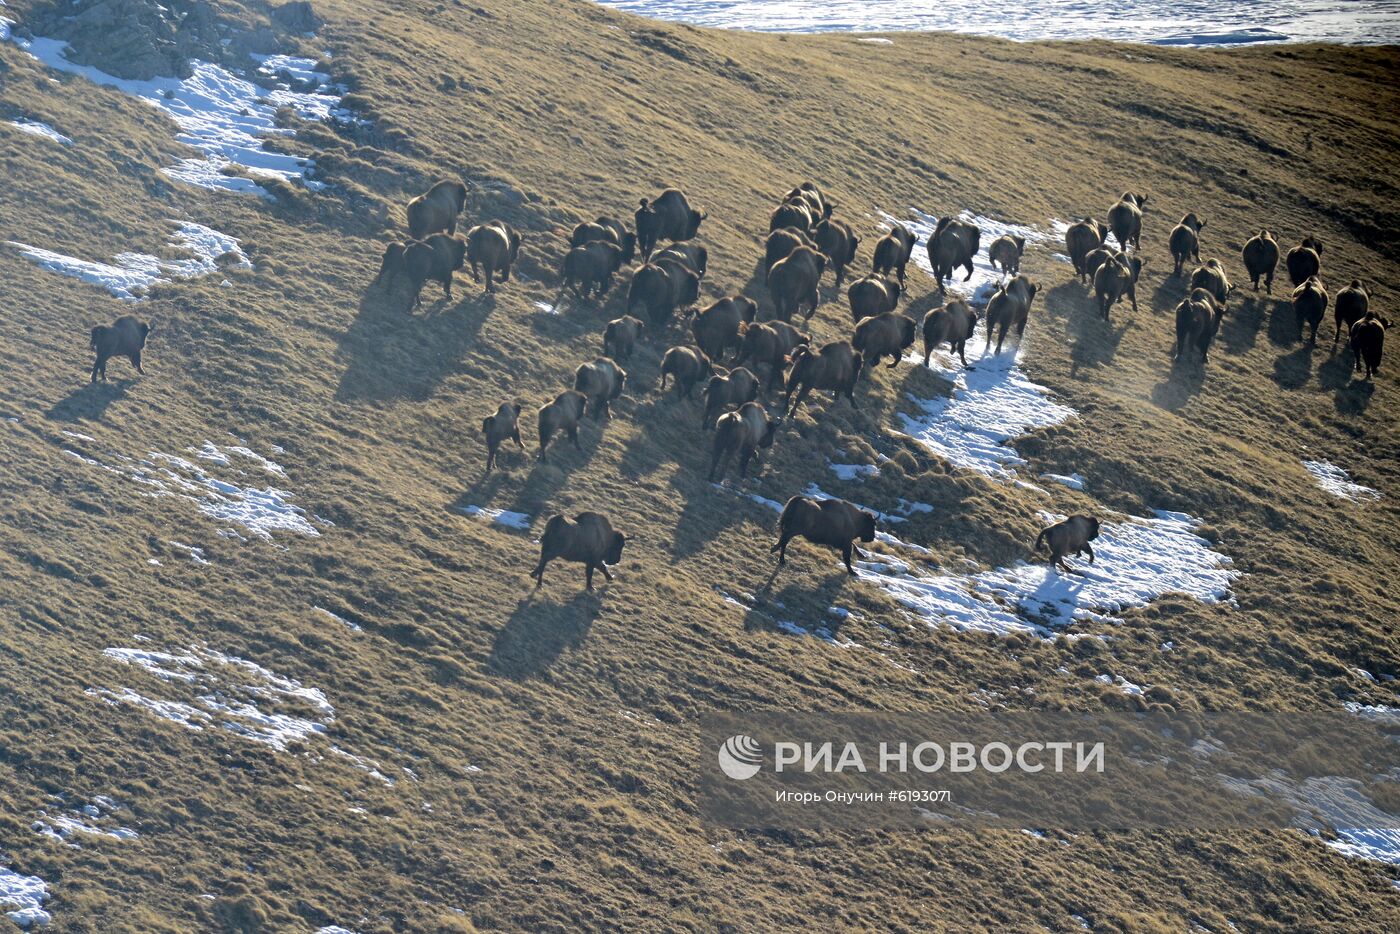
pixel 494 248
pixel 893 251
pixel 1006 251
pixel 747 431
pixel 606 230
pixel 435 258
pixel 686 366
pixel 602 382
pixel 1125 220
pixel 1211 277
pixel 620 337
pixel 1070 537
pixel 883 335
pixel 792 282
pixel 954 323
pixel 125 337
pixel 834 523
pixel 874 294
pixel 1185 241
pixel 769 344
pixel 1350 307
pixel 1368 341
pixel 794 214
pixel 1304 260
pixel 561 414
pixel 779 243
pixel 835 367
pixel 1081 238
pixel 668 217
pixel 660 288
pixel 809 194
pixel 838 241
pixel 589 540
pixel 1011 304
pixel 716 328
pixel 1116 278
pixel 1197 321
pixel 437 209
pixel 503 426
pixel 954 243
pixel 1310 305
pixel 693 255
pixel 1260 255
pixel 1097 258
pixel 590 268
pixel 736 387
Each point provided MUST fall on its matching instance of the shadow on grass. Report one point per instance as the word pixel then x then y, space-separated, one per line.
pixel 1351 394
pixel 798 604
pixel 1240 327
pixel 1293 370
pixel 540 629
pixel 89 402
pixel 1183 382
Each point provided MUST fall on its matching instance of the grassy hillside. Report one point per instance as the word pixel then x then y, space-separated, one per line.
pixel 551 734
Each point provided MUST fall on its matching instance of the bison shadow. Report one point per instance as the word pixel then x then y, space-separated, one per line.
pixel 1351 395
pixel 89 402
pixel 1293 370
pixel 540 630
pixel 1095 341
pixel 1283 325
pixel 548 478
pixel 1240 326
pixel 1183 382
pixel 395 353
pixel 798 605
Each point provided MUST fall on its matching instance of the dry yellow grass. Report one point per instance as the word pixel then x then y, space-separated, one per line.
pixel 579 709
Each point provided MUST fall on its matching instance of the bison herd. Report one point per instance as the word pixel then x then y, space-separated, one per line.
pixel 737 359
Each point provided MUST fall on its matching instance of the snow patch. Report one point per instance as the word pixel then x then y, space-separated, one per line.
pixel 513 520
pixel 339 619
pixel 1074 481
pixel 1337 481
pixel 22 898
pixel 130 275
pixel 35 128
pixel 851 472
pixel 91 820
pixel 985 277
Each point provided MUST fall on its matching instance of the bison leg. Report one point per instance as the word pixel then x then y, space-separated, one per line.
pixel 1090 549
pixel 538 572
pixel 781 547
pixel 894 361
pixel 745 455
pixel 607 575
pixel 135 358
pixel 99 367
pixel 588 575
pixel 476 273
pixel 968 266
pixel 1132 296
pixel 505 273
pixel 490 286
pixel 490 456
pixel 719 457
pixel 1269 284
pixel 518 443
pixel 846 556
pixel 961 348
pixel 573 436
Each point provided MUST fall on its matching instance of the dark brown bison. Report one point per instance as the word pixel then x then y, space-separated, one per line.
pixel 589 540
pixel 669 217
pixel 809 194
pixel 503 426
pixel 1197 322
pixel 769 344
pixel 1310 305
pixel 954 323
pixel 590 269
pixel 1116 278
pixel 716 328
pixel 874 294
pixel 834 523
pixel 492 248
pixel 390 264
pixel 437 209
pixel 884 335
pixel 747 431
pixel 562 414
pixel 954 243
pixel 686 366
pixel 606 230
pixel 601 381
pixel 838 241
pixel 794 214
pixel 1097 258
pixel 1081 238
pixel 1260 257
pixel 1006 251
pixel 659 288
pixel 125 337
pixel 779 243
pixel 1304 260
pixel 693 255
pixel 1210 276
pixel 736 387
pixel 1368 342
pixel 1185 241
pixel 1010 305
pixel 435 258
pixel 1125 220
pixel 836 367
pixel 1070 537
pixel 1350 307
pixel 620 337
pixel 893 251
pixel 792 282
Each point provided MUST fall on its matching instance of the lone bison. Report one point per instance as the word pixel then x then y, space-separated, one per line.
pixel 602 382
pixel 834 523
pixel 1125 220
pixel 503 426
pixel 1010 305
pixel 1070 537
pixel 589 540
pixel 437 209
pixel 1185 241
pixel 893 251
pixel 954 323
pixel 747 431
pixel 1260 255
pixel 883 335
pixel 836 367
pixel 125 337
pixel 874 294
pixel 494 248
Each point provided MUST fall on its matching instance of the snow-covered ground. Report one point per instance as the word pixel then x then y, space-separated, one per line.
pixel 985 277
pixel 35 128
pixel 22 898
pixel 225 116
pixel 93 819
pixel 231 498
pixel 1164 22
pixel 1136 562
pixel 1337 481
pixel 129 275
pixel 511 520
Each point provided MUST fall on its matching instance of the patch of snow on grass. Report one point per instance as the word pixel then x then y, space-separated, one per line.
pixel 1337 481
pixel 1137 561
pixel 1074 481
pixel 339 619
pixel 513 520
pixel 130 275
pixel 854 471
pixel 35 128
pixel 978 289
pixel 22 898
pixel 86 820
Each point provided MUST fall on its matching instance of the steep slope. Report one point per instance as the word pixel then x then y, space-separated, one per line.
pixel 541 746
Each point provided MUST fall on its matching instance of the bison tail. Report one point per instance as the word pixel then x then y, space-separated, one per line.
pixel 1039 540
pixel 96 333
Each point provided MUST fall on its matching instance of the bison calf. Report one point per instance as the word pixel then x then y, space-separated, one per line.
pixel 589 540
pixel 1006 251
pixel 503 426
pixel 1070 537
pixel 125 337
pixel 563 414
pixel 620 337
pixel 747 431
pixel 834 523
